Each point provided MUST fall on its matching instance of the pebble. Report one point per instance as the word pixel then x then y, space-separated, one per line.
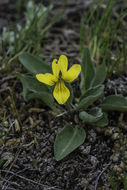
pixel 115 136
pixel 92 136
pixel 115 157
pixel 85 150
pixel 93 160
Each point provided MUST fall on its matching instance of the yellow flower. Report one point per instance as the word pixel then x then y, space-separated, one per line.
pixel 60 74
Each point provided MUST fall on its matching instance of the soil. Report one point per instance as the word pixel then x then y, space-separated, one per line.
pixel 27 161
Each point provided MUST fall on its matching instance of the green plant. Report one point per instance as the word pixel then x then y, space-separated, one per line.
pixel 22 36
pixel 91 87
pixel 102 30
pixel 117 183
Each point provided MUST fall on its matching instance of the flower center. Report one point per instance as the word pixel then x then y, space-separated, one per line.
pixel 60 75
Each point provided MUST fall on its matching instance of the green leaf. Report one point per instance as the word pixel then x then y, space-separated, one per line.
pixel 94 115
pixel 87 72
pixel 34 64
pixel 68 140
pixel 34 89
pixel 103 121
pixel 90 96
pixel 114 103
pixel 100 74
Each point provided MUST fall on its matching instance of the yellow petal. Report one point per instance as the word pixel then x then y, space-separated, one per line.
pixel 63 63
pixel 61 92
pixel 55 68
pixel 72 73
pixel 47 78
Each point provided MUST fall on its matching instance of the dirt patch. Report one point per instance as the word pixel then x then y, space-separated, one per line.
pixel 28 151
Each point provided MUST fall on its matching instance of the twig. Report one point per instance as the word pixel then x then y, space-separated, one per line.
pixel 96 182
pixel 12 164
pixel 10 188
pixel 29 180
pixel 10 183
pixel 7 181
pixel 26 179
pixel 61 114
pixel 7 78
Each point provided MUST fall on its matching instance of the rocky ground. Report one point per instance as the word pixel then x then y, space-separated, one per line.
pixel 26 154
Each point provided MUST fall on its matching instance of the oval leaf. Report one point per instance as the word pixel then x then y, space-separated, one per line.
pixel 103 121
pixel 87 72
pixel 34 64
pixel 90 96
pixel 93 116
pixel 68 140
pixel 115 103
pixel 34 89
pixel 100 74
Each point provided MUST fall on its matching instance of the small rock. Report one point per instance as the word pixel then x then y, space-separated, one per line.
pixel 92 136
pixel 93 160
pixel 85 150
pixel 115 157
pixel 115 136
